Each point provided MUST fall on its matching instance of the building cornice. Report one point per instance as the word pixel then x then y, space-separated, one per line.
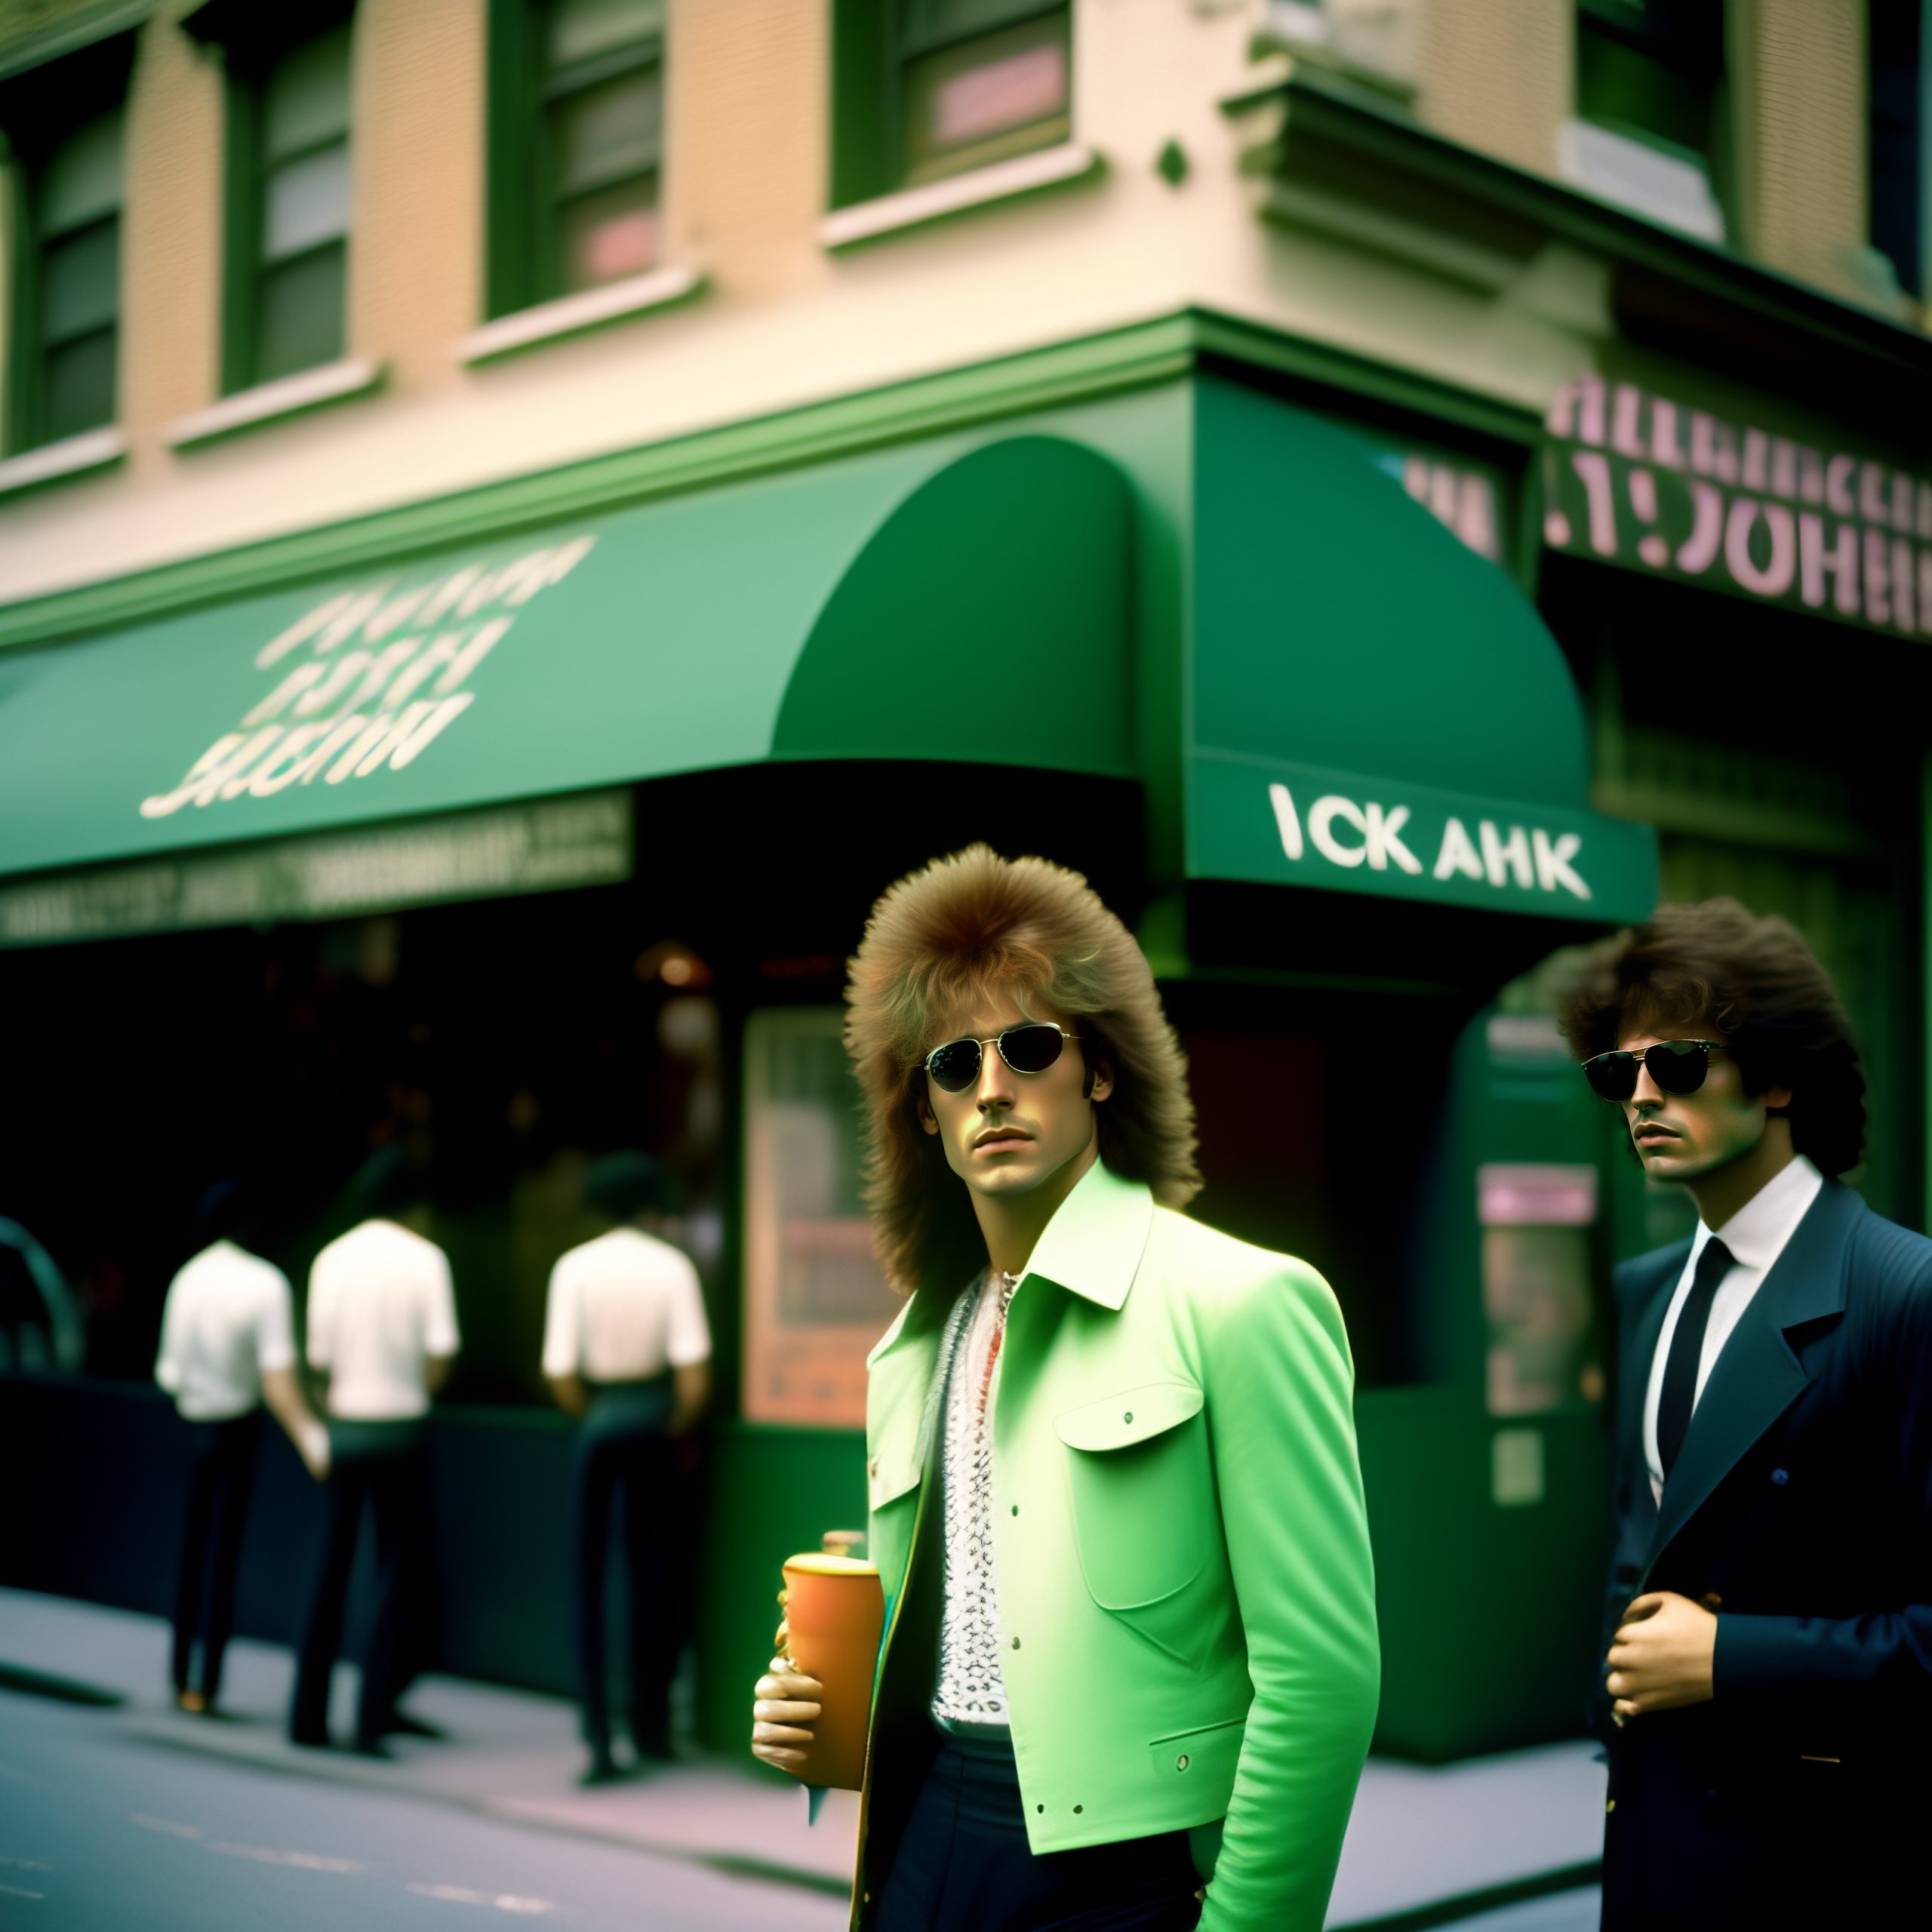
pixel 1158 349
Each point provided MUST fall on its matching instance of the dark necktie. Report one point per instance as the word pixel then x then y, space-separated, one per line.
pixel 1687 1345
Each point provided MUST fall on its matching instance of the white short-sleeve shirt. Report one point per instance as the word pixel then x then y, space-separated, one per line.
pixel 226 1322
pixel 381 1304
pixel 623 1307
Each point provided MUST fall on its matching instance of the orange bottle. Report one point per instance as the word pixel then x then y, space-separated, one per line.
pixel 835 1611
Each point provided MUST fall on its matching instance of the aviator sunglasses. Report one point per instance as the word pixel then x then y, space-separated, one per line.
pixel 1678 1066
pixel 1030 1048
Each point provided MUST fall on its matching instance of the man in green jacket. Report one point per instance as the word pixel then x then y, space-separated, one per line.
pixel 1130 1640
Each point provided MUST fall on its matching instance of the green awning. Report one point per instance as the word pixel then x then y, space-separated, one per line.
pixel 823 614
pixel 1317 684
pixel 1374 707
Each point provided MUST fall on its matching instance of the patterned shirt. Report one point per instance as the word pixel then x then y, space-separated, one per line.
pixel 972 1692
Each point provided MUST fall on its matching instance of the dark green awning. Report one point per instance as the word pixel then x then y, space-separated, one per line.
pixel 1375 708
pixel 823 614
pixel 1316 682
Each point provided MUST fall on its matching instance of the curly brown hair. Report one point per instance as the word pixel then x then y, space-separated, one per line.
pixel 1715 968
pixel 944 941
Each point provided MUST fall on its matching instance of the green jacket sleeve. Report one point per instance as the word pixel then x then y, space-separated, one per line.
pixel 1279 1387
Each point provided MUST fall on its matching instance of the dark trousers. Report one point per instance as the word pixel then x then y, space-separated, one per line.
pixel 221 1472
pixel 621 1447
pixel 963 1864
pixel 384 1465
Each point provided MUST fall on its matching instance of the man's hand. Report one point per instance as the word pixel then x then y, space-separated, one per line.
pixel 786 1705
pixel 1660 1657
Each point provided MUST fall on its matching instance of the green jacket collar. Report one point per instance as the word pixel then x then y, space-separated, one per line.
pixel 1092 1248
pixel 1093 1245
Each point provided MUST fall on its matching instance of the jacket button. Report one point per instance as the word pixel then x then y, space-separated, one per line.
pixel 1015 1643
pixel 1016 1509
pixel 871 1465
pixel 1078 1809
pixel 1128 1416
pixel 1610 1807
pixel 1780 1477
pixel 1180 1763
pixel 1039 1807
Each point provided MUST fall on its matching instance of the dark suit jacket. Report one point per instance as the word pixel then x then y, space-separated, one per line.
pixel 1802 1500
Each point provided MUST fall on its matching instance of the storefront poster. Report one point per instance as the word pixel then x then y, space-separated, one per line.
pixel 1644 482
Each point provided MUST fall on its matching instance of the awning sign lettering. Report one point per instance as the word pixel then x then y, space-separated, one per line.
pixel 1348 834
pixel 367 681
pixel 1271 822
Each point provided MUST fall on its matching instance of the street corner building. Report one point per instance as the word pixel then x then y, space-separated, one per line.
pixel 518 520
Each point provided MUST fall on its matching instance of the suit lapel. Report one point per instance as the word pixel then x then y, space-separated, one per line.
pixel 1758 1375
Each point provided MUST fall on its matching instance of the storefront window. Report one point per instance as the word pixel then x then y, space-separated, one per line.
pixel 815 1299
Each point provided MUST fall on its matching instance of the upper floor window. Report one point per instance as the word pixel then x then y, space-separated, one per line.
pixel 291 233
pixel 75 212
pixel 576 147
pixel 286 261
pixel 927 88
pixel 65 123
pixel 1652 131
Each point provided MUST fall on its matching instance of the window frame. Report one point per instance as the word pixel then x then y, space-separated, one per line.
pixel 251 38
pixel 522 228
pixel 872 53
pixel 41 107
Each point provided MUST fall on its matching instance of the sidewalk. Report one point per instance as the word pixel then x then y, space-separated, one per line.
pixel 1483 1832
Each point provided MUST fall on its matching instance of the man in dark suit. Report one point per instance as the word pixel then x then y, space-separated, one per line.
pixel 1767 1687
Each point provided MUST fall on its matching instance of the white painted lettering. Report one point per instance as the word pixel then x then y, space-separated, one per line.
pixel 1553 867
pixel 1626 435
pixel 1814 563
pixel 1756 472
pixel 240 766
pixel 1322 817
pixel 1665 448
pixel 292 687
pixel 342 674
pixel 304 628
pixel 1902 584
pixel 1458 853
pixel 1502 856
pixel 1810 475
pixel 283 767
pixel 211 765
pixel 1384 840
pixel 1286 822
pixel 1873 485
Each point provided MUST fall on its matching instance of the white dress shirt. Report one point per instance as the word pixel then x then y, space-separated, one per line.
pixel 380 1305
pixel 1756 1235
pixel 622 1308
pixel 226 1322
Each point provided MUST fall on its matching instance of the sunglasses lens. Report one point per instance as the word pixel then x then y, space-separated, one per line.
pixel 1030 1049
pixel 1678 1066
pixel 1612 1076
pixel 955 1066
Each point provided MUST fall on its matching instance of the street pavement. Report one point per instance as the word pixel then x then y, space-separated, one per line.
pixel 133 1815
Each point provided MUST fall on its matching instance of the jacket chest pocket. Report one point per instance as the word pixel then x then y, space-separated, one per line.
pixel 1142 1493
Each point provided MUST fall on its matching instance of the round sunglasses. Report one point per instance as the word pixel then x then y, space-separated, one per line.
pixel 1030 1048
pixel 1676 1066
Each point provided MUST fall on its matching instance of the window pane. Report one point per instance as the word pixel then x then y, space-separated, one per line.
pixel 579 29
pixel 306 100
pixel 607 132
pixel 300 321
pixel 608 235
pixel 1629 87
pixel 306 201
pixel 991 97
pixel 82 180
pixel 80 282
pixel 78 385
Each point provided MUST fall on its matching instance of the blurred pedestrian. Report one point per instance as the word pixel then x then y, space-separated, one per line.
pixel 382 1329
pixel 227 1347
pixel 627 1348
pixel 40 1327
